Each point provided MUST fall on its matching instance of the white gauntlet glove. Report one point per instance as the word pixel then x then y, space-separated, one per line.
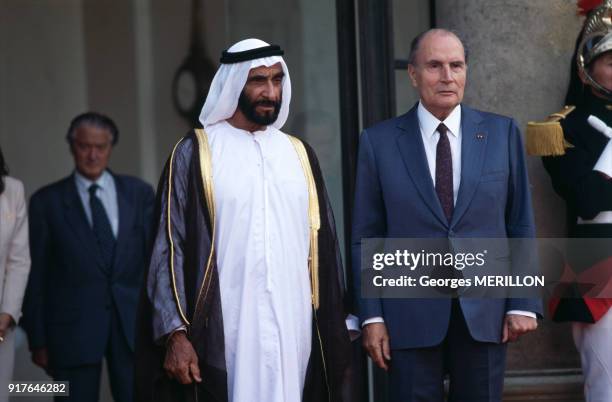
pixel 604 163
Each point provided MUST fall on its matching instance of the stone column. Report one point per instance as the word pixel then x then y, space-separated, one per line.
pixel 42 63
pixel 519 63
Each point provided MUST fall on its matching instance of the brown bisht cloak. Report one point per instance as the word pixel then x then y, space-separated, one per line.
pixel 195 286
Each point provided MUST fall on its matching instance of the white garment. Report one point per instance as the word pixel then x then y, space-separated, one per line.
pixel 604 162
pixel 593 341
pixel 603 165
pixel 602 218
pixel 229 81
pixel 14 270
pixel 14 248
pixel 262 247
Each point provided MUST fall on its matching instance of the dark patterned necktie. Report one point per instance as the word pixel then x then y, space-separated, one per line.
pixel 444 172
pixel 102 228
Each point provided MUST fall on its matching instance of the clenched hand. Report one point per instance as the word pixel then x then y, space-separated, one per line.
pixel 516 325
pixel 6 322
pixel 181 361
pixel 376 343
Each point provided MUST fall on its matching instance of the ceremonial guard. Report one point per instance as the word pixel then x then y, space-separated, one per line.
pixel 577 154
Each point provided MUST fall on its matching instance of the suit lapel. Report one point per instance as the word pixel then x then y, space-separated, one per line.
pixel 77 220
pixel 126 217
pixel 411 148
pixel 473 145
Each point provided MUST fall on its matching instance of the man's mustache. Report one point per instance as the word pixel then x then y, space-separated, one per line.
pixel 266 103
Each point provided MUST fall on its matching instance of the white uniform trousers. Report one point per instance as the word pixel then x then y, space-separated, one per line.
pixel 594 342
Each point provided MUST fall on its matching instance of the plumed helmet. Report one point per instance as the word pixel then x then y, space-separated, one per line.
pixel 596 40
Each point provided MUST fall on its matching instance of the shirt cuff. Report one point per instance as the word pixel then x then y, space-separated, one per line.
pixel 181 328
pixel 604 163
pixel 372 321
pixel 352 324
pixel 521 312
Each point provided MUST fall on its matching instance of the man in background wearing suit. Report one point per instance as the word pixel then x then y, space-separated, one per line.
pixel 88 238
pixel 442 170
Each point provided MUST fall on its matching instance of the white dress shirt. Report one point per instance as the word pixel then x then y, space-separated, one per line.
pixel 107 193
pixel 428 124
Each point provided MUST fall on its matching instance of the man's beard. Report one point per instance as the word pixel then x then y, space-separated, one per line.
pixel 249 108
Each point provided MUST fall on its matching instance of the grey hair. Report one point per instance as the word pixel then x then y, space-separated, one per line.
pixel 92 119
pixel 416 43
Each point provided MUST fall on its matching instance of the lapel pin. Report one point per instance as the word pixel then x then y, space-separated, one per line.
pixel 480 136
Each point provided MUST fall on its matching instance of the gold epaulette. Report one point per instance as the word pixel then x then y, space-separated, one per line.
pixel 546 138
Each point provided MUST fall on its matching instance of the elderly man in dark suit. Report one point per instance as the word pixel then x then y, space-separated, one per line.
pixel 88 238
pixel 442 170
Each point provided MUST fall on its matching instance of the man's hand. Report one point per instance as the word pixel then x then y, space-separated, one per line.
pixel 376 343
pixel 41 358
pixel 6 321
pixel 516 325
pixel 181 360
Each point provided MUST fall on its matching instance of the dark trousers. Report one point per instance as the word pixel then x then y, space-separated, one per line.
pixel 475 369
pixel 85 380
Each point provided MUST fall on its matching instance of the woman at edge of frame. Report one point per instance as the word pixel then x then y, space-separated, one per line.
pixel 14 269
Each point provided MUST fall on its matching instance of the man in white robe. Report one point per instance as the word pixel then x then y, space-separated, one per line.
pixel 261 243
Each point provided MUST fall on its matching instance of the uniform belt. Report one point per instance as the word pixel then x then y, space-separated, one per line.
pixel 603 217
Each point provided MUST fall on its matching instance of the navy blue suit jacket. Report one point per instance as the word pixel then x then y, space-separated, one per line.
pixel 69 297
pixel 395 197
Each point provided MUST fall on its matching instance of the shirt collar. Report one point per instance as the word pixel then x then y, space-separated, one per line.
pixel 84 183
pixel 429 123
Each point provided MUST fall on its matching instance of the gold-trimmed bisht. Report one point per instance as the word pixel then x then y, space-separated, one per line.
pixel 206 173
pixel 313 258
pixel 314 220
pixel 171 240
pixel 546 138
pixel 207 184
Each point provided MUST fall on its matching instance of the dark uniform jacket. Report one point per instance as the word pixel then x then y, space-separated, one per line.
pixel 586 193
